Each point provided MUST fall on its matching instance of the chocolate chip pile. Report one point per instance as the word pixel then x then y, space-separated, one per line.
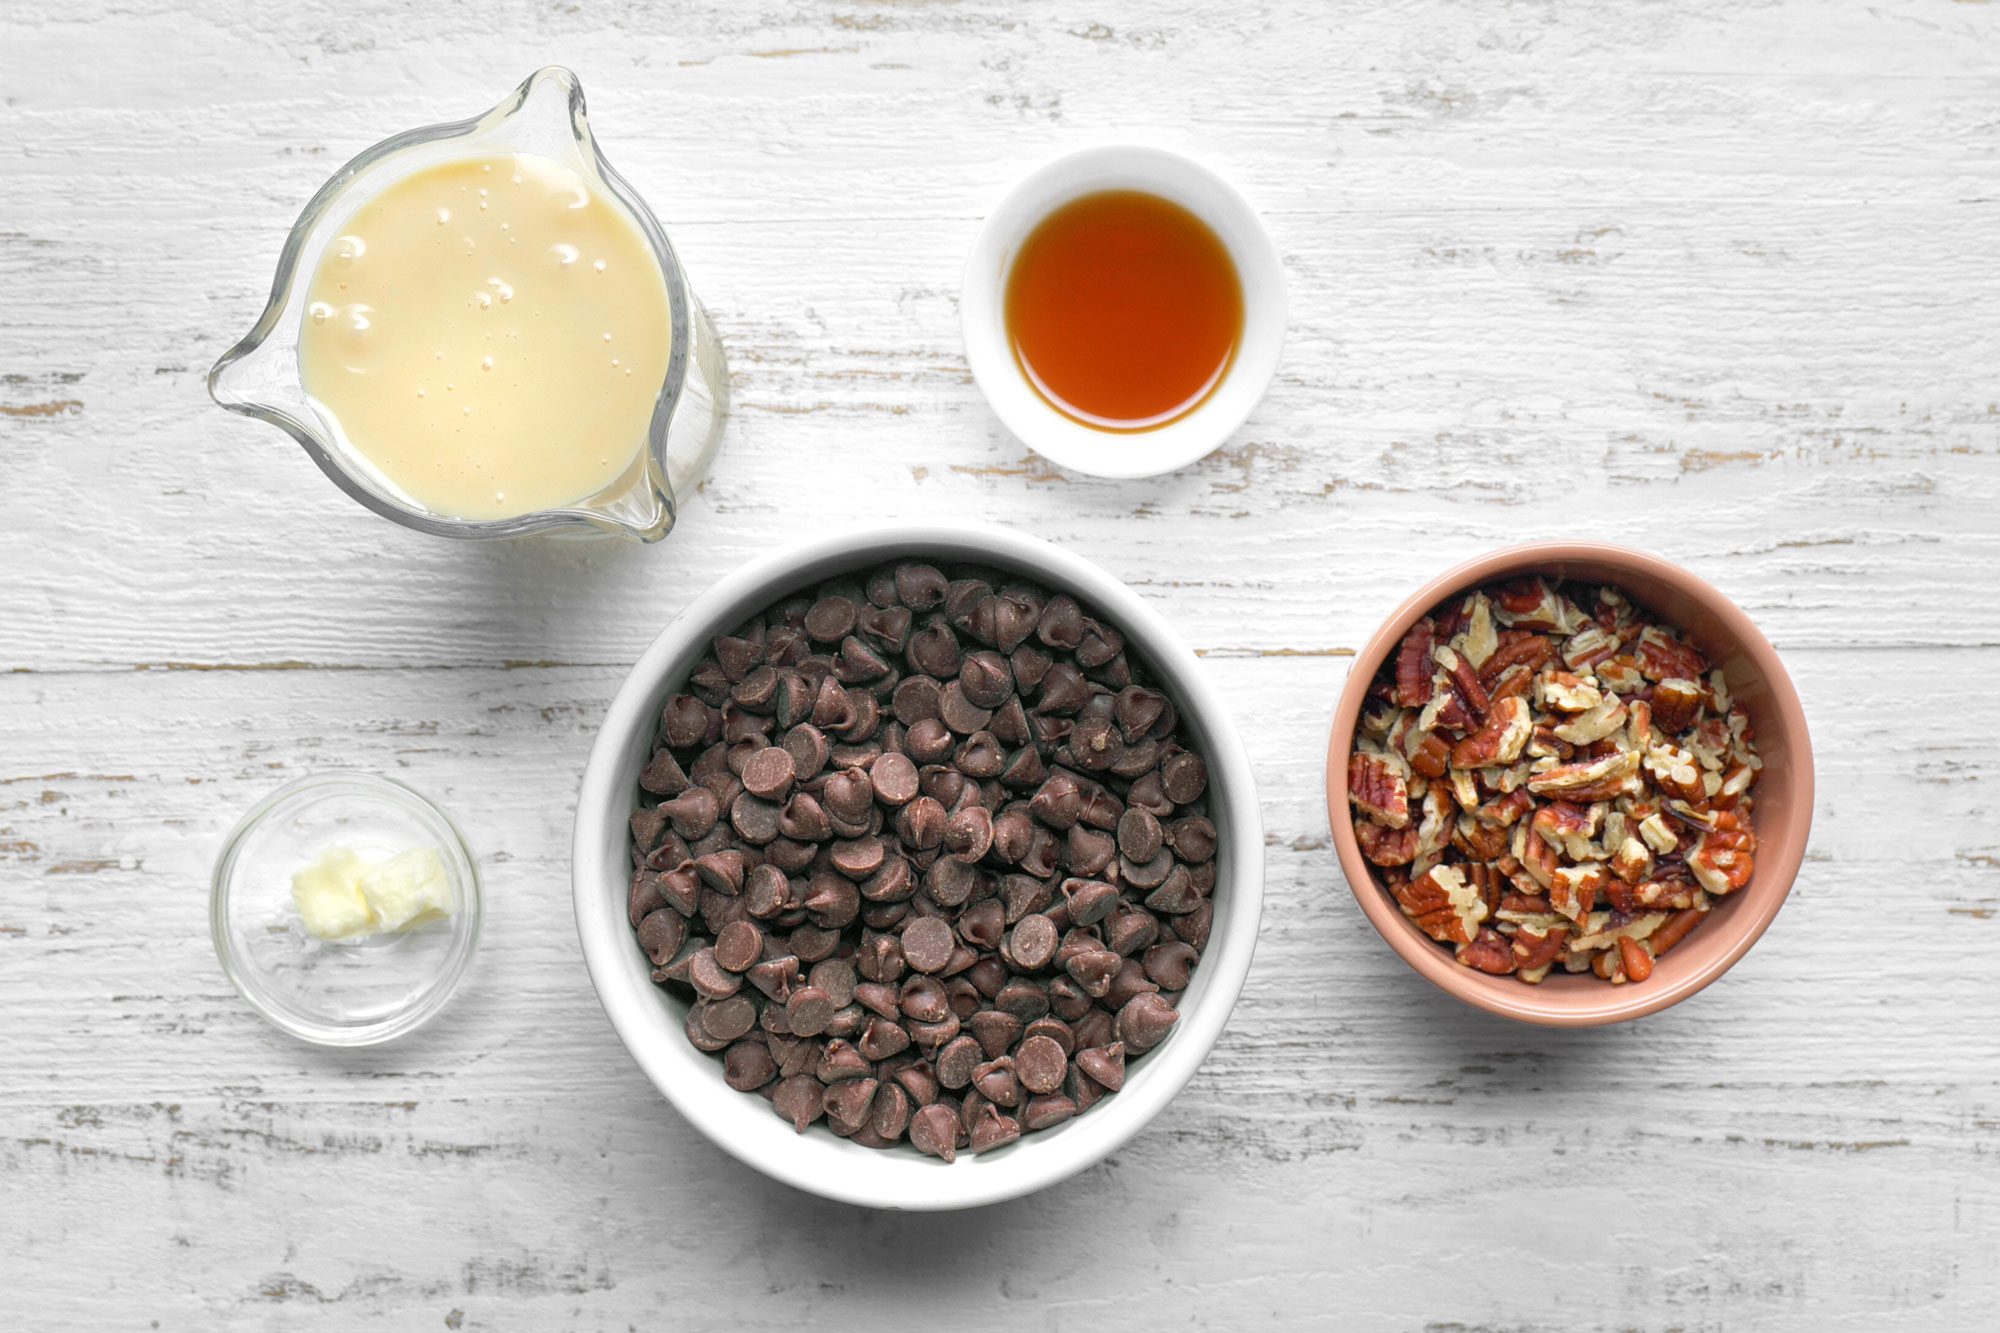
pixel 930 856
pixel 1547 775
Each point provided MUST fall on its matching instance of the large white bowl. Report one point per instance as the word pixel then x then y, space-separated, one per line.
pixel 650 1021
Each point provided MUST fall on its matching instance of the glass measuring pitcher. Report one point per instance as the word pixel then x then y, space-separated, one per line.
pixel 261 377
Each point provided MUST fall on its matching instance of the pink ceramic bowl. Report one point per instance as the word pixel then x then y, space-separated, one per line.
pixel 1782 814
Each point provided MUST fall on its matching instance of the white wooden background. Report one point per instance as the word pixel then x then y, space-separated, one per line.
pixel 1716 278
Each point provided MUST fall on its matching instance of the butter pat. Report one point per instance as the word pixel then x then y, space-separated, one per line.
pixel 342 897
pixel 407 889
pixel 328 896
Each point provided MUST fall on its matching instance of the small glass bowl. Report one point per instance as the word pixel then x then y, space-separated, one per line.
pixel 338 992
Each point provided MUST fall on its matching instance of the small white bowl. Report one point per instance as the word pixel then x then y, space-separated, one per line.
pixel 650 1021
pixel 982 312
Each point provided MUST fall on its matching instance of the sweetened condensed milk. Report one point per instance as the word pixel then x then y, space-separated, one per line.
pixel 1124 310
pixel 489 336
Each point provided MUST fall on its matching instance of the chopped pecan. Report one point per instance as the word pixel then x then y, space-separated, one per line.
pixel 1664 657
pixel 1632 861
pixel 1426 751
pixel 1488 952
pixel 1567 693
pixel 1480 639
pixel 1581 781
pixel 1736 784
pixel 1528 604
pixel 1443 904
pixel 1586 728
pixel 1477 841
pixel 1508 726
pixel 1434 832
pixel 1659 835
pixel 1724 857
pixel 1573 890
pixel 1518 648
pixel 1589 646
pixel 1412 686
pixel 1502 811
pixel 1377 790
pixel 1545 744
pixel 1488 883
pixel 1386 847
pixel 1639 724
pixel 1568 827
pixel 1638 963
pixel 1514 681
pixel 1537 856
pixel 1463 679
pixel 1535 954
pixel 1676 705
pixel 1621 672
pixel 1677 928
pixel 1675 772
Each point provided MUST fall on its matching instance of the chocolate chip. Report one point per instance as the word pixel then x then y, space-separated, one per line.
pixel 920 587
pixel 1145 1021
pixel 710 978
pixel 1104 1064
pixel 775 976
pixel 1139 835
pixel 663 777
pixel 956 1061
pixel 726 1020
pixel 769 773
pixel 1193 839
pixel 800 1099
pixel 839 1061
pixel 881 1039
pixel 894 779
pixel 933 651
pixel 1041 1065
pixel 1184 777
pixel 661 935
pixel 831 619
pixel 748 1066
pixel 1032 943
pixel 849 1101
pixel 985 680
pixel 889 1117
pixel 693 812
pixel 1047 1112
pixel 927 943
pixel 923 1000
pixel 809 1010
pixel 996 1081
pixel 933 1130
pixel 739 945
pixel 969 834
pixel 995 1032
pixel 993 1130
pixel 960 713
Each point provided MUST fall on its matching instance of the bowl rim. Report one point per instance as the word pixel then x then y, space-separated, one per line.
pixel 696 1091
pixel 470 915
pixel 1619 1003
pixel 1025 413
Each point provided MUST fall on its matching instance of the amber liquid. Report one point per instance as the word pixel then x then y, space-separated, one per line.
pixel 1124 310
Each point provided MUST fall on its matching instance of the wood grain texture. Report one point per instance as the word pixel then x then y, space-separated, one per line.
pixel 1713 279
